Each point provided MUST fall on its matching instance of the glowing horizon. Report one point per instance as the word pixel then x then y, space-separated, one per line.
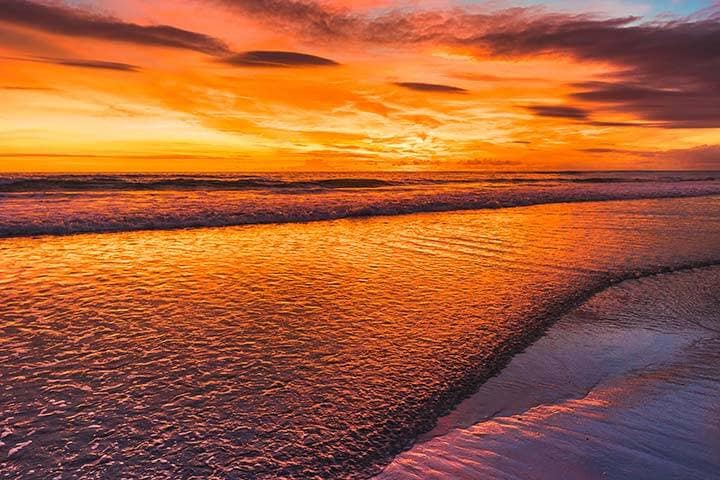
pixel 275 85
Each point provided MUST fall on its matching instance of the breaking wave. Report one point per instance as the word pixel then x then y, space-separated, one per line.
pixel 69 204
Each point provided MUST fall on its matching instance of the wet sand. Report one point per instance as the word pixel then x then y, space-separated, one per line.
pixel 624 387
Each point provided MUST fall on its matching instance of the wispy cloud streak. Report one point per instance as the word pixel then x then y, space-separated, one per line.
pixel 78 62
pixel 430 87
pixel 267 58
pixel 57 19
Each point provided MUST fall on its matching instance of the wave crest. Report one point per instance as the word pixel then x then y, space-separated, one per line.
pixel 57 205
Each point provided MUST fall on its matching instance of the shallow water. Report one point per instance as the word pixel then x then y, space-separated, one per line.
pixel 299 350
pixel 623 387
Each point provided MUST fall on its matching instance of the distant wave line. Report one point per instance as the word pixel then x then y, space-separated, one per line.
pixel 71 183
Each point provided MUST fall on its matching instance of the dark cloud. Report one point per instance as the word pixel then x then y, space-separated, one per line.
pixel 267 58
pixel 597 123
pixel 582 115
pixel 63 20
pixel 77 62
pixel 690 105
pixel 621 92
pixel 328 23
pixel 430 87
pixel 670 73
pixel 307 17
pixel 607 150
pixel 559 111
pixel 98 64
pixel 20 88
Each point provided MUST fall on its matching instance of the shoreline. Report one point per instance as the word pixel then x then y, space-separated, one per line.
pixel 572 376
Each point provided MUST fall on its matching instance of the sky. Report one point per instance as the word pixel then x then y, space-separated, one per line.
pixel 365 85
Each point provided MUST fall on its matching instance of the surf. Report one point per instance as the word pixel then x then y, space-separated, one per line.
pixel 62 205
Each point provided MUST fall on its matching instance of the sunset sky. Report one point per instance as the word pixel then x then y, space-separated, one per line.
pixel 189 85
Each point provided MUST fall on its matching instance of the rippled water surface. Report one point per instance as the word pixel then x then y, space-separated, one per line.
pixel 299 350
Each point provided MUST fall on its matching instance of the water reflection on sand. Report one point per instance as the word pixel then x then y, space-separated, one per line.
pixel 626 386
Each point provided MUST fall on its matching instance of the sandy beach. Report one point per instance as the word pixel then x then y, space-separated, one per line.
pixel 622 387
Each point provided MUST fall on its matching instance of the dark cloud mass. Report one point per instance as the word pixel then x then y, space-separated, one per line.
pixel 61 20
pixel 307 16
pixel 601 150
pixel 430 87
pixel 691 104
pixel 559 111
pixel 671 71
pixel 76 62
pixel 98 64
pixel 268 58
